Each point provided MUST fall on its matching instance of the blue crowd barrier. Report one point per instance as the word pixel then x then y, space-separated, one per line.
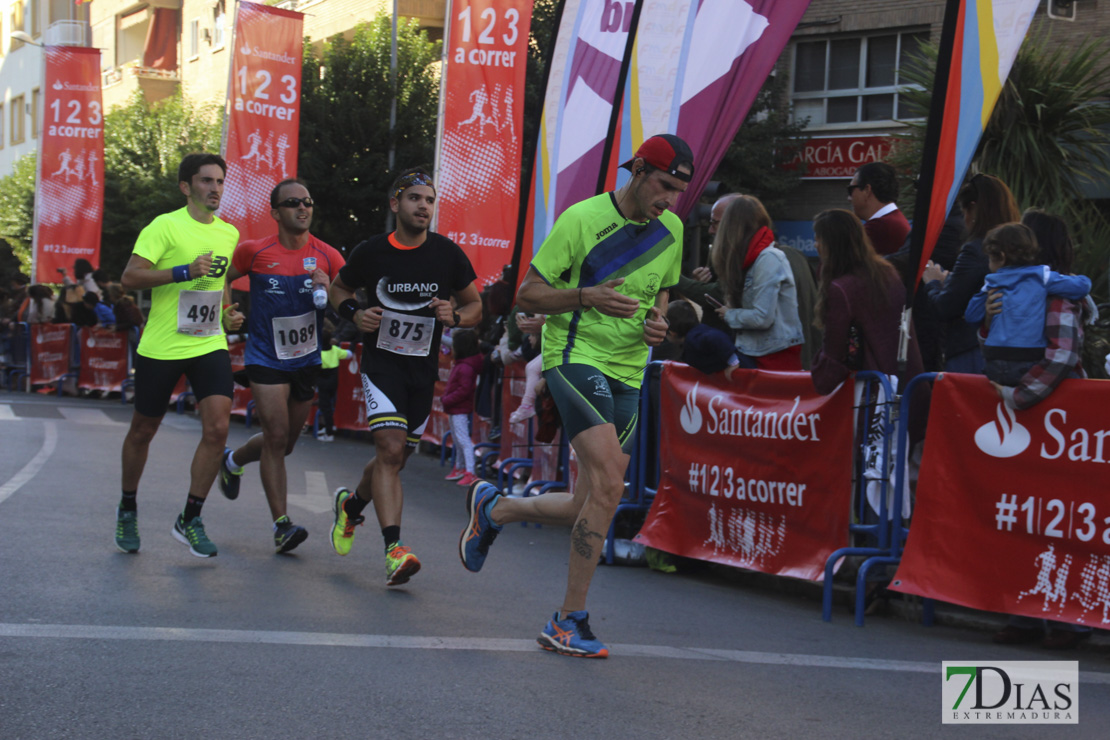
pixel 19 343
pixel 643 465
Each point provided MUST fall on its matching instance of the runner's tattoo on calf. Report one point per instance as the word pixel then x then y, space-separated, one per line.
pixel 580 539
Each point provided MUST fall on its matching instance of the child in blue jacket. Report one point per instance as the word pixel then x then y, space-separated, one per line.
pixel 1016 340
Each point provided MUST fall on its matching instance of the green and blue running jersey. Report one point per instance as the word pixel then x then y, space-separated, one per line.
pixel 590 244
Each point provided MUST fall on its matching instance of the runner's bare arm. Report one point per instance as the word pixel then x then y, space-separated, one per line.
pixel 468 303
pixel 232 316
pixel 536 296
pixel 140 273
pixel 655 325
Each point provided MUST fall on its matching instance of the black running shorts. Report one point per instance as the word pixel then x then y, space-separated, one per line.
pixel 301 382
pixel 208 375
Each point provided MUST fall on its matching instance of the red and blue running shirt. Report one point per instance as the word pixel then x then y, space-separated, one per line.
pixel 283 324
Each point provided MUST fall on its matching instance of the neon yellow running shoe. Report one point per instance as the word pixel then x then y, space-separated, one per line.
pixel 343 531
pixel 400 564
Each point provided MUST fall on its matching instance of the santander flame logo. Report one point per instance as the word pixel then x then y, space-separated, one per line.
pixel 1003 437
pixel 690 415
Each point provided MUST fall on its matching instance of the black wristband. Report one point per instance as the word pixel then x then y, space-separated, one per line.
pixel 347 309
pixel 456 318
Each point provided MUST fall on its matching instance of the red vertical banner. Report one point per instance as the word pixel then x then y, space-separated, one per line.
pixel 479 153
pixel 69 198
pixel 264 114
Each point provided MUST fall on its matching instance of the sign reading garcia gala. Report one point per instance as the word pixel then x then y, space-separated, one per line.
pixel 836 157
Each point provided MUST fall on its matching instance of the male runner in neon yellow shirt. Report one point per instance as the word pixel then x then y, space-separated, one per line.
pixel 182 257
pixel 602 276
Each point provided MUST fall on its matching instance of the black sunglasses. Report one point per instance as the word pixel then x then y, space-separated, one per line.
pixel 853 187
pixel 294 202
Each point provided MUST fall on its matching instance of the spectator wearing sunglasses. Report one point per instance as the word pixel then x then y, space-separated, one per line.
pixel 872 192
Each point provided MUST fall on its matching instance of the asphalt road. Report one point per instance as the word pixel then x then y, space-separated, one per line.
pixel 98 644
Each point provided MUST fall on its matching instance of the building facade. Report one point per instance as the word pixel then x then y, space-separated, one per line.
pixel 845 65
pixel 45 22
pixel 160 46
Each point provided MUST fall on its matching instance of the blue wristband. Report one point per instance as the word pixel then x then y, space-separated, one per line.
pixel 181 274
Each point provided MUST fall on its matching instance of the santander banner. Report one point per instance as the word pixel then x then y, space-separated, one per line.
pixel 50 345
pixel 480 141
pixel 103 359
pixel 264 114
pixel 69 198
pixel 1012 514
pixel 757 472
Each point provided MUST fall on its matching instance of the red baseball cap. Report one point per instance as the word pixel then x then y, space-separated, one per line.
pixel 665 152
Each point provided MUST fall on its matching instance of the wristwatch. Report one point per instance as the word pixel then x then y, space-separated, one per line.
pixel 458 319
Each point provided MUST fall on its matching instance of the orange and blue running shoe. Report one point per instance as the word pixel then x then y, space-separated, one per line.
pixel 480 531
pixel 572 636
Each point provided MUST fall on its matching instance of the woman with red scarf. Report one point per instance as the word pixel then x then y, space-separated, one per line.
pixel 759 287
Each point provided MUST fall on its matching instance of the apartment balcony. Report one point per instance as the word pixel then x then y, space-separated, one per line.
pixel 66 33
pixel 120 82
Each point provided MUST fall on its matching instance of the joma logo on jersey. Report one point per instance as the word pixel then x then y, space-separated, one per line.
pixel 605 231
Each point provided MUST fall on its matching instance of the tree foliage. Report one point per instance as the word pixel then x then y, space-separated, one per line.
pixel 540 35
pixel 344 138
pixel 767 140
pixel 1048 136
pixel 17 212
pixel 143 145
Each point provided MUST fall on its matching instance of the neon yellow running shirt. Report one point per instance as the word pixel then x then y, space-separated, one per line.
pixel 173 239
pixel 592 243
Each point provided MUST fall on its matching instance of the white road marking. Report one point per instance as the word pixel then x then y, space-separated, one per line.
pixel 6 413
pixel 88 416
pixel 316 498
pixel 410 642
pixel 31 469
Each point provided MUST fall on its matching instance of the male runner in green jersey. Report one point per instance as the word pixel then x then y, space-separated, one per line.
pixel 182 258
pixel 602 276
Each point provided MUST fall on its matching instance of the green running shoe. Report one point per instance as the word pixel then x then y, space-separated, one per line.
pixel 127 531
pixel 400 564
pixel 192 533
pixel 343 531
pixel 288 535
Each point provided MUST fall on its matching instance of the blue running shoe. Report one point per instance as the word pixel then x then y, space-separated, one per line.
pixel 480 531
pixel 572 636
pixel 229 481
pixel 287 535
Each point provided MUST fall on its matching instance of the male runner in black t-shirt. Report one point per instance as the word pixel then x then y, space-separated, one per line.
pixel 410 277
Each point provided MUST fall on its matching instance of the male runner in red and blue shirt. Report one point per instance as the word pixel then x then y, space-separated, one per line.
pixel 283 349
